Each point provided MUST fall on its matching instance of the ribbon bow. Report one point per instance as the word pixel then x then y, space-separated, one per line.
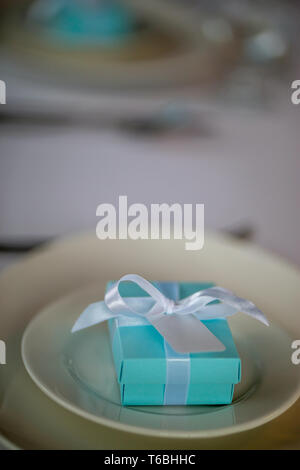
pixel 178 321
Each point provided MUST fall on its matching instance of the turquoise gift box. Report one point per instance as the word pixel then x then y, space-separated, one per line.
pixel 139 353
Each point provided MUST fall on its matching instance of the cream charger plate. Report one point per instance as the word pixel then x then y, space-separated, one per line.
pixel 77 371
pixel 30 419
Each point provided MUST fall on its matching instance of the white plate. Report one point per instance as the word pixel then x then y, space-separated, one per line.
pixel 29 419
pixel 77 372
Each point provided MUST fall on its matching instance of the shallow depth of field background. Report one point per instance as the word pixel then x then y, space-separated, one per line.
pixel 162 101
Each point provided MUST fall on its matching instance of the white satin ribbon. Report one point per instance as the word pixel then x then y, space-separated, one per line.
pixel 177 321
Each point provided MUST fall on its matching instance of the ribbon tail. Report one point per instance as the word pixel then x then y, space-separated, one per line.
pixel 213 311
pixel 95 313
pixel 240 304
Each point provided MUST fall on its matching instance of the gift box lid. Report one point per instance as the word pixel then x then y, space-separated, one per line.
pixel 139 351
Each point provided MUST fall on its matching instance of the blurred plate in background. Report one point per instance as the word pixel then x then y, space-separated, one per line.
pixel 167 47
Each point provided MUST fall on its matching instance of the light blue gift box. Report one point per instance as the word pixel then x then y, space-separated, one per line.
pixel 139 354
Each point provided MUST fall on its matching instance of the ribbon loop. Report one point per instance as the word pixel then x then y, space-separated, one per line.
pixel 116 303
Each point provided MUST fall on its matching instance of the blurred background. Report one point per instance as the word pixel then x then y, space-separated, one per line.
pixel 161 100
